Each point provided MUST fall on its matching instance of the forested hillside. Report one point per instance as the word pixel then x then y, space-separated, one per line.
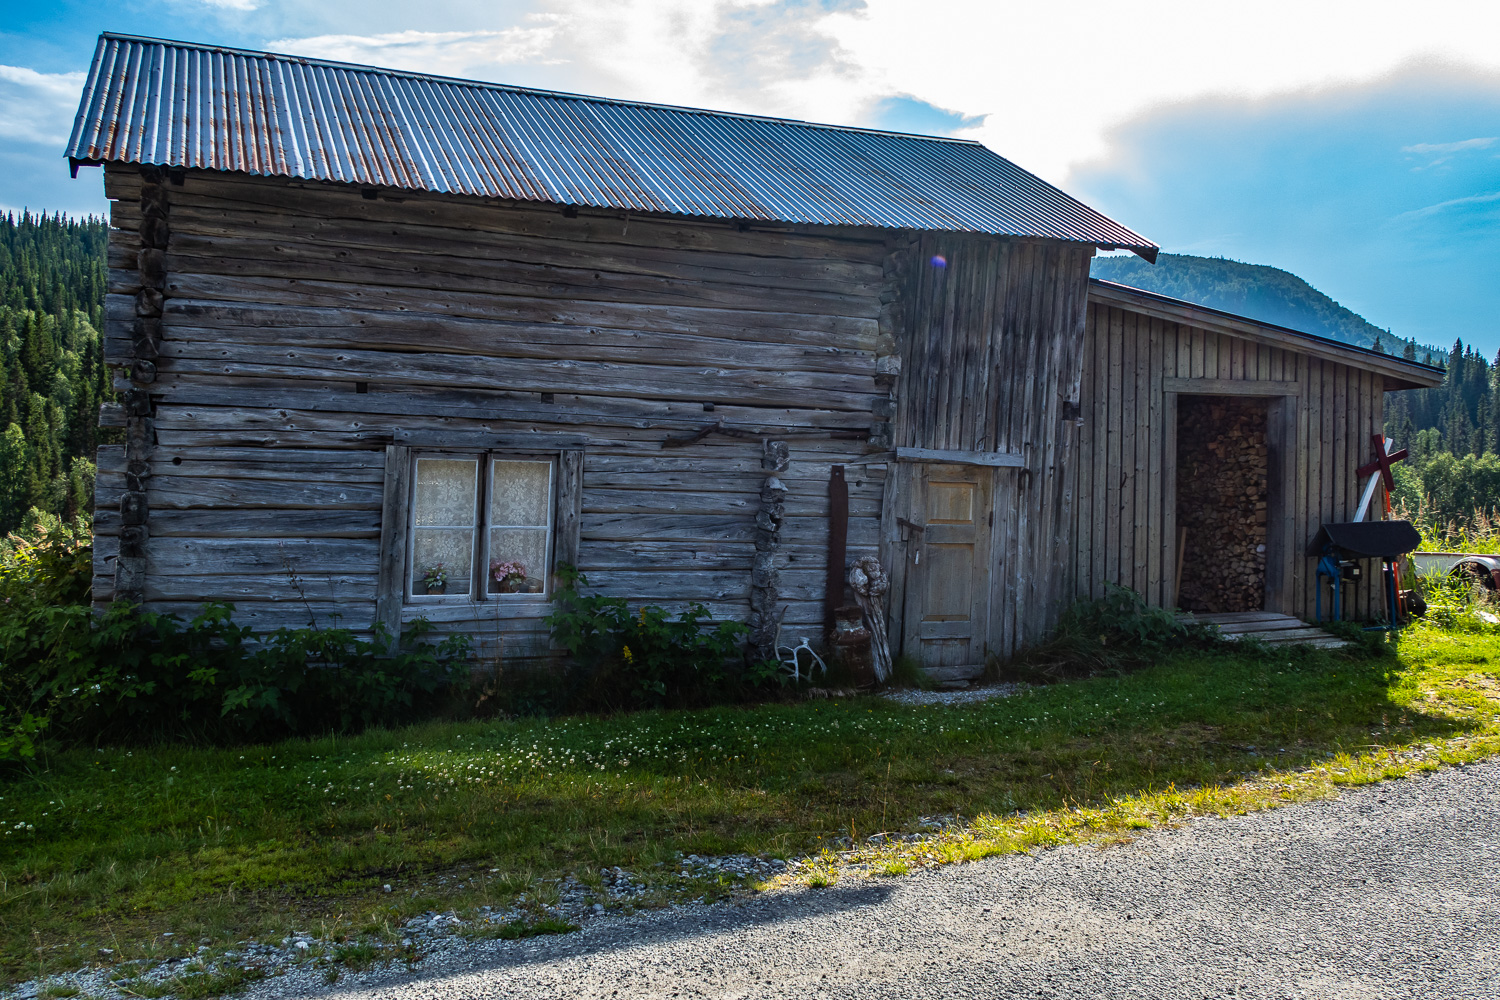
pixel 1268 294
pixel 52 279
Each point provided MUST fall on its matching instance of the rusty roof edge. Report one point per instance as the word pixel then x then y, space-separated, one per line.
pixel 612 211
pixel 90 85
pixel 1235 325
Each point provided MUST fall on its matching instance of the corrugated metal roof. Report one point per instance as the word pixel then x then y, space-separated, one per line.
pixel 185 105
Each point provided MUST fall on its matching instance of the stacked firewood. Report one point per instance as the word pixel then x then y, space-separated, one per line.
pixel 1222 471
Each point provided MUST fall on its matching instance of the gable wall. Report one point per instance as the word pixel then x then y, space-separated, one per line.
pixel 1125 521
pixel 459 314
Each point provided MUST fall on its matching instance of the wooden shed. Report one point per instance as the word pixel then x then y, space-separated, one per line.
pixel 372 328
pixel 1212 449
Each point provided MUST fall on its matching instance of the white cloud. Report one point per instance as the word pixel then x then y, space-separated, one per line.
pixel 755 56
pixel 1462 146
pixel 244 5
pixel 773 57
pixel 1054 79
pixel 38 107
pixel 448 53
pixel 1045 82
pixel 1452 203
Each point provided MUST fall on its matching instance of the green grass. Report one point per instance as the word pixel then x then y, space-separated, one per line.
pixel 229 844
pixel 531 928
pixel 194 985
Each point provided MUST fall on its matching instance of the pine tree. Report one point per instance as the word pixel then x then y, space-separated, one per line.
pixel 52 375
pixel 13 475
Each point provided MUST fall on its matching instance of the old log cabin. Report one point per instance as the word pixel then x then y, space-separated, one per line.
pixel 391 345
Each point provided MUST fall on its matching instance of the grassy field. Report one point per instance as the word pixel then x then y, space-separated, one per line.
pixel 113 847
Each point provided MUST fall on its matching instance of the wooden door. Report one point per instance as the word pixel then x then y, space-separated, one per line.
pixel 947 572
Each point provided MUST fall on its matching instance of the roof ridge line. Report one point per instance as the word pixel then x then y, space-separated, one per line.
pixel 516 88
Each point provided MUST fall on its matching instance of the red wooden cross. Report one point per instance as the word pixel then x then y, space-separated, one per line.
pixel 1382 462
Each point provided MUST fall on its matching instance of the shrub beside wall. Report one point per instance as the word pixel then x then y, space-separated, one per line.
pixel 127 673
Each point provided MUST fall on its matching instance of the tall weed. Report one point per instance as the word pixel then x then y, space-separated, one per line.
pixel 1477 530
pixel 1115 632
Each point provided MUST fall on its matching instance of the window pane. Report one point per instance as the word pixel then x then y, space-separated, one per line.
pixel 518 550
pixel 445 491
pixel 450 548
pixel 520 493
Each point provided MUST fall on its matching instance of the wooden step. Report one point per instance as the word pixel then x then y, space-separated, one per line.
pixel 1267 626
pixel 1284 635
pixel 959 675
pixel 1222 617
pixel 1240 628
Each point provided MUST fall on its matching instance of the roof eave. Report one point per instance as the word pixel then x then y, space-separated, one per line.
pixel 1398 372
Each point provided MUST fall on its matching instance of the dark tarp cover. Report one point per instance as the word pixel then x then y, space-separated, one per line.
pixel 1367 539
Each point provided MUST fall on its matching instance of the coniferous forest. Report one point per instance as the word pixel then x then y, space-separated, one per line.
pixel 52 376
pixel 1452 480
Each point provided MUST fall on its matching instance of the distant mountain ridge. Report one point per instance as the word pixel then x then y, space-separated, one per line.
pixel 1264 293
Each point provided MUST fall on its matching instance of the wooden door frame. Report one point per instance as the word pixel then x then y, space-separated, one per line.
pixel 1281 449
pixel 913 510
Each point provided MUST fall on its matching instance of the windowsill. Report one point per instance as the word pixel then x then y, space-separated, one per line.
pixel 459 610
pixel 501 599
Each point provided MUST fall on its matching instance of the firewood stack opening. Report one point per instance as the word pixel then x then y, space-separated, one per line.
pixel 1222 470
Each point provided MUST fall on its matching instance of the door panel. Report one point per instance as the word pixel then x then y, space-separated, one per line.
pixel 949 576
pixel 949 502
pixel 947 573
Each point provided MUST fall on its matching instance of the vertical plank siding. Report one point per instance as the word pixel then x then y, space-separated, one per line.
pixel 992 353
pixel 1125 517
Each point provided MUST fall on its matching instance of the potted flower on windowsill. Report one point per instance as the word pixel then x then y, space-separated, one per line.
pixel 509 576
pixel 435 579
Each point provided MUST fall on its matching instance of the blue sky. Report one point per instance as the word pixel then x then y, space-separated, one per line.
pixel 1362 153
pixel 1385 195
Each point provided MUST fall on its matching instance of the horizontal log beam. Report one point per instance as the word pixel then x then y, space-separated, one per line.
pixel 995 459
pixel 1230 387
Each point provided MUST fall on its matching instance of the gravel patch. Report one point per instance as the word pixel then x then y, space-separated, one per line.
pixel 961 697
pixel 1390 891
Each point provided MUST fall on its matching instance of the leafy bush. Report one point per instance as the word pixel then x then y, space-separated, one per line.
pixel 126 673
pixel 643 659
pixel 1117 631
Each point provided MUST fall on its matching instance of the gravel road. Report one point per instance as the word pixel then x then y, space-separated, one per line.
pixel 1389 891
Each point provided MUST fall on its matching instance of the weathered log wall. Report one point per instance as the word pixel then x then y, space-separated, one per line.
pixel 1322 414
pixel 304 328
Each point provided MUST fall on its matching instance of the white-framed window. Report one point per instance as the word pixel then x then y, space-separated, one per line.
pixel 481 527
